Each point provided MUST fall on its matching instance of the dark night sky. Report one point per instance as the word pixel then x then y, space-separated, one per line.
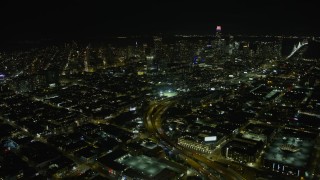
pixel 32 20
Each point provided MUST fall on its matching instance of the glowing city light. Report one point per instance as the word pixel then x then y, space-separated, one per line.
pixel 218 28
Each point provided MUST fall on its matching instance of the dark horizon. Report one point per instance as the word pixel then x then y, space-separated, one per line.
pixel 83 19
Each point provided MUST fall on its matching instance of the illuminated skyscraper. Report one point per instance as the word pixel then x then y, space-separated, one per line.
pixel 219 44
pixel 159 60
pixel 218 32
pixel 86 59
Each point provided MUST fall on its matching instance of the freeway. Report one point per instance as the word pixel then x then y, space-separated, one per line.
pixel 201 163
pixel 154 113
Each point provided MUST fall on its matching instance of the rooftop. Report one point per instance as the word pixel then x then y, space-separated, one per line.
pixel 298 157
pixel 148 166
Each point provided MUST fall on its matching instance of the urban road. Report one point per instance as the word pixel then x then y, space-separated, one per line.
pixel 202 164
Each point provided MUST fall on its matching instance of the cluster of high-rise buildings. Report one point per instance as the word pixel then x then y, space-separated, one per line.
pixel 239 101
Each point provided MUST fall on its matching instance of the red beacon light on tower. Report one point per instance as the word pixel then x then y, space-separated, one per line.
pixel 218 28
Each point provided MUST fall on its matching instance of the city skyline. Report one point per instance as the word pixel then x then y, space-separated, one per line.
pixel 190 106
pixel 159 90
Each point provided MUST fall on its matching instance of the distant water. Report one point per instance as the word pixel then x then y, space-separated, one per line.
pixel 312 52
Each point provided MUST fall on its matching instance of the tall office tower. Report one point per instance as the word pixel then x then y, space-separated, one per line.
pixel 145 50
pixel 218 32
pixel 92 61
pixel 86 59
pixel 219 45
pixel 157 44
pixel 110 56
pixel 159 60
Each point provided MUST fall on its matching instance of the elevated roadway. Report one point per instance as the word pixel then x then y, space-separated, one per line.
pixel 153 119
